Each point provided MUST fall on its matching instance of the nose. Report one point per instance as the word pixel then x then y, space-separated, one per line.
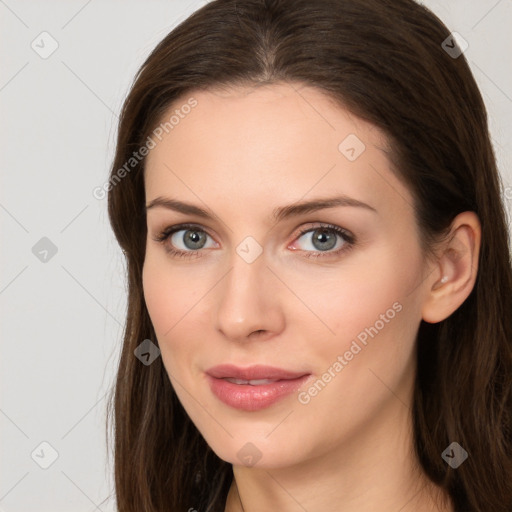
pixel 247 304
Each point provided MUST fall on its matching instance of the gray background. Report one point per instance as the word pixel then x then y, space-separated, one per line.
pixel 62 318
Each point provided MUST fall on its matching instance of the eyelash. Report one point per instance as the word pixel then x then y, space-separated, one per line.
pixel 349 240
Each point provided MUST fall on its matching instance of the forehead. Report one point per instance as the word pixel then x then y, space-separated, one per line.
pixel 277 142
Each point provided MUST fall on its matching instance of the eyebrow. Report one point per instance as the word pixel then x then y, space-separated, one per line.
pixel 278 214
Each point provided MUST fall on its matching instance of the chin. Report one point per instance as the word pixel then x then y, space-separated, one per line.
pixel 257 451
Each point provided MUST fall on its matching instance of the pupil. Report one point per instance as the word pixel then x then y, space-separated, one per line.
pixel 195 238
pixel 323 237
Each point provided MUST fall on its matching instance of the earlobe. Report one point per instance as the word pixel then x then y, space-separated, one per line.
pixel 454 278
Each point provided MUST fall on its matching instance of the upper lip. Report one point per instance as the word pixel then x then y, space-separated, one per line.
pixel 253 372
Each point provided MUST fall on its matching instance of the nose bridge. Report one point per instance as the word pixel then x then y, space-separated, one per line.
pixel 247 302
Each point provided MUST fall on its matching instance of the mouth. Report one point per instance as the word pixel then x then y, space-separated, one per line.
pixel 253 388
pixel 255 382
pixel 253 373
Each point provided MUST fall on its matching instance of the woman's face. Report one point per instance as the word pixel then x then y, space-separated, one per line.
pixel 276 285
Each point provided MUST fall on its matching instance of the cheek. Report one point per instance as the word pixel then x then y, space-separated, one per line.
pixel 172 299
pixel 169 294
pixel 159 297
pixel 352 297
pixel 380 314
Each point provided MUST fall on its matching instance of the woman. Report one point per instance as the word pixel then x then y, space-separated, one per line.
pixel 319 308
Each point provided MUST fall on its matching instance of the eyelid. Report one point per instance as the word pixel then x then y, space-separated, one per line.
pixel 168 231
pixel 172 228
pixel 325 225
pixel 349 241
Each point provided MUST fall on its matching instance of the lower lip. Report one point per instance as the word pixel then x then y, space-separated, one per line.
pixel 253 398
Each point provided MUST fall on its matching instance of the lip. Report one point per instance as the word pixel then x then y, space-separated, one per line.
pixel 248 397
pixel 255 372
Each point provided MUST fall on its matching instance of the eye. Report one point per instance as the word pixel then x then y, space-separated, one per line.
pixel 189 240
pixel 323 239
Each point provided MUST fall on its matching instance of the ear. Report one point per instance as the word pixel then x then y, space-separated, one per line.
pixel 456 269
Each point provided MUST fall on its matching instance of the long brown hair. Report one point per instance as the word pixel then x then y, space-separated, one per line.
pixel 383 60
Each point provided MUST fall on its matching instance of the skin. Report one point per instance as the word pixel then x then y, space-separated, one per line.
pixel 241 153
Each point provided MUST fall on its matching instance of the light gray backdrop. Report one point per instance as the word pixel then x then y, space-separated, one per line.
pixel 65 70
